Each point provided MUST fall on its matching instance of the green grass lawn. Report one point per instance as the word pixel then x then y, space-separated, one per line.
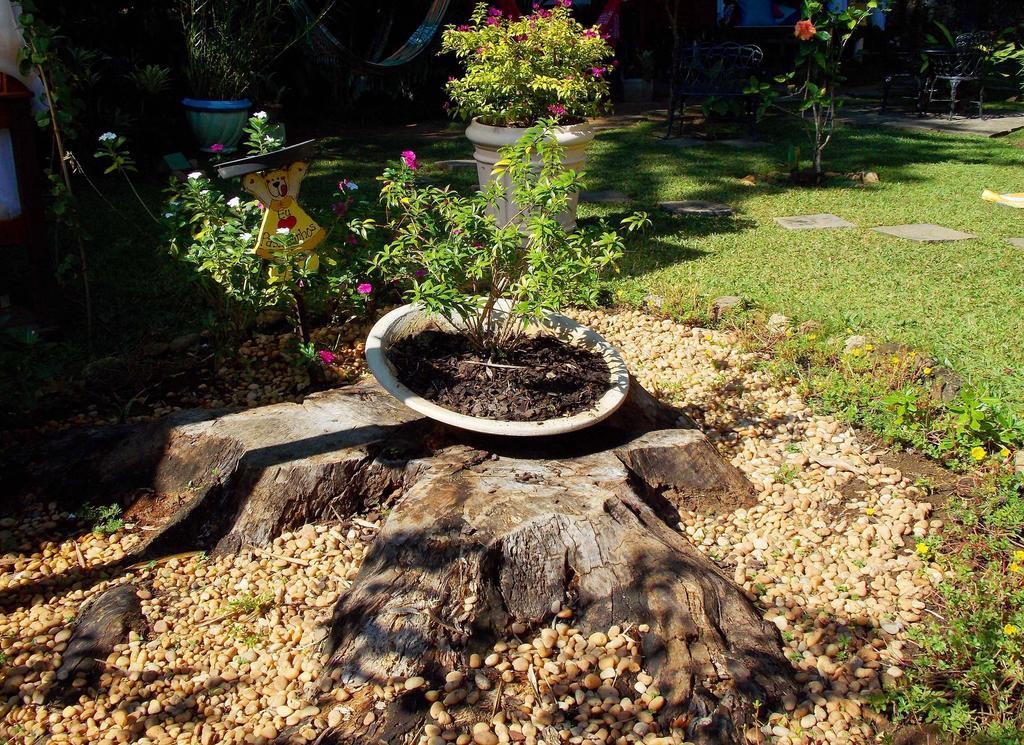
pixel 963 301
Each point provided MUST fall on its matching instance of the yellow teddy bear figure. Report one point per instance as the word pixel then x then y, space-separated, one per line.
pixel 278 191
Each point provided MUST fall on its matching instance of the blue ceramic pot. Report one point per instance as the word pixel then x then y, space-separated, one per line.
pixel 217 122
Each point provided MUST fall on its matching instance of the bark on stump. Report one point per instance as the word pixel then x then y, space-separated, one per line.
pixel 586 521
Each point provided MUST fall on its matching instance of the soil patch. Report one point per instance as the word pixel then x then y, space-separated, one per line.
pixel 544 378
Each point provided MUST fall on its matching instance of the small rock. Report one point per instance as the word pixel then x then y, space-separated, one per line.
pixel 871 177
pixel 725 304
pixel 855 342
pixel 184 342
pixel 778 322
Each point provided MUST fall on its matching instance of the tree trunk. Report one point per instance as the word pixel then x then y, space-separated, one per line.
pixel 485 535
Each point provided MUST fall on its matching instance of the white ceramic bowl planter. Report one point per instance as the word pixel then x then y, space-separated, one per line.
pixel 487 140
pixel 411 319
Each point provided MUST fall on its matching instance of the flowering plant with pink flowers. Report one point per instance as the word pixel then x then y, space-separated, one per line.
pixel 452 254
pixel 521 70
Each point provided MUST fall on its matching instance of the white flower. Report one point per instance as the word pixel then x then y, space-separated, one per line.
pixel 168 214
pixel 261 115
pixel 246 236
pixel 204 192
pixel 194 175
pixel 107 137
pixel 283 231
pixel 352 186
pixel 234 202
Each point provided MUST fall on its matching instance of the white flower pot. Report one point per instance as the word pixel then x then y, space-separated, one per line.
pixel 487 140
pixel 411 319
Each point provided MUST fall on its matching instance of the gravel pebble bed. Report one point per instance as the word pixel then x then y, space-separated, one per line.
pixel 232 645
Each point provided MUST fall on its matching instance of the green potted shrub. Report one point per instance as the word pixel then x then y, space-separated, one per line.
pixel 520 71
pixel 228 45
pixel 481 345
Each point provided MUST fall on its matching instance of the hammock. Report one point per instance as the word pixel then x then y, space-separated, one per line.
pixel 328 49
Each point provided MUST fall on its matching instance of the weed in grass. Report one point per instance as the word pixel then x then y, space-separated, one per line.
pixel 105 519
pixel 249 603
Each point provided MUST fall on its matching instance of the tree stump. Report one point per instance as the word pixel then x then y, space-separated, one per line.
pixel 483 533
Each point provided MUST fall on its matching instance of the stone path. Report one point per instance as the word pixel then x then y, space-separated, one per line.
pixel 993 125
pixel 697 207
pixel 924 233
pixel 813 222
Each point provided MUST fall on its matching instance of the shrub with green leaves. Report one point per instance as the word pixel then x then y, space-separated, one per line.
pixel 519 71
pixel 459 262
pixel 216 234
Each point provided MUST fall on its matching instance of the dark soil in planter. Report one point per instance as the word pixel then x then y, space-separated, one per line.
pixel 544 378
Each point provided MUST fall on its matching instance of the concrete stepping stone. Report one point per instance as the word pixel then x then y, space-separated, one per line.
pixel 823 221
pixel 924 233
pixel 1018 242
pixel 458 163
pixel 697 207
pixel 608 196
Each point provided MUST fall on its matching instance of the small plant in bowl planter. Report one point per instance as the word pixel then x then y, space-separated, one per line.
pixel 481 345
pixel 519 71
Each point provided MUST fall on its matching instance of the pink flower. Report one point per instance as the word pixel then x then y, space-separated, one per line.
pixel 216 148
pixel 365 288
pixel 420 273
pixel 565 3
pixel 343 184
pixel 590 34
pixel 520 37
pixel 494 13
pixel 327 356
pixel 597 71
pixel 462 27
pixel 261 206
pixel 352 240
pixel 409 158
pixel 340 208
pixel 493 21
pixel 556 109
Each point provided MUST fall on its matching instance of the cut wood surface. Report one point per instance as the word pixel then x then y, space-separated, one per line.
pixel 482 533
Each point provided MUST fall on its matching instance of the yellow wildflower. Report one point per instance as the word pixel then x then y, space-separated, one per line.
pixel 911 353
pixel 1015 567
pixel 1010 630
pixel 923 549
pixel 856 351
pixel 869 511
pixel 927 371
pixel 894 360
pixel 1004 453
pixel 812 337
pixel 1018 555
pixel 869 347
pixel 978 452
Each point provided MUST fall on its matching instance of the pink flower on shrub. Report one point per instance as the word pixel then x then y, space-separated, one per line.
pixel 565 3
pixel 409 158
pixel 556 109
pixel 805 30
pixel 494 12
pixel 216 148
pixel 462 27
pixel 365 288
pixel 340 208
pixel 420 273
pixel 327 356
pixel 590 34
pixel 352 240
pixel 597 71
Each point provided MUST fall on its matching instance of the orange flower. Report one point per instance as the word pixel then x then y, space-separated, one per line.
pixel 805 30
